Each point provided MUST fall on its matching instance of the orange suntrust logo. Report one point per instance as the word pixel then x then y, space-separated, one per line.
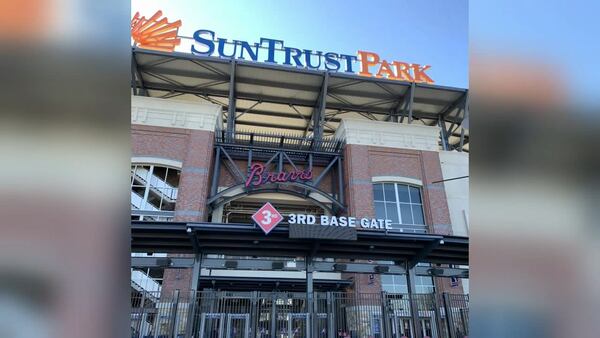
pixel 155 34
pixel 371 65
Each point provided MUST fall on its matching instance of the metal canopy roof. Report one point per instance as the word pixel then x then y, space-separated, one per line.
pixel 268 284
pixel 278 98
pixel 249 240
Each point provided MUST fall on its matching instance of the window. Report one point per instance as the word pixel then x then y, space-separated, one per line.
pixel 400 203
pixel 153 192
pixel 397 284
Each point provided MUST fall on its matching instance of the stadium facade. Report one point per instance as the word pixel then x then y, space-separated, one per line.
pixel 272 200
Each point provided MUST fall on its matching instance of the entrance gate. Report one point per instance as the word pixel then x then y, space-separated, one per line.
pixel 211 314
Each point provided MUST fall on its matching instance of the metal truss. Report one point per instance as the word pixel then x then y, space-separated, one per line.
pixel 276 152
pixel 205 68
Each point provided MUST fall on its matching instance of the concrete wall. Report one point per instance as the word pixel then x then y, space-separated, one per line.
pixel 456 164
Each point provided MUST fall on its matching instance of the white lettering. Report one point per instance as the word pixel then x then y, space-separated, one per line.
pixel 364 222
pixel 324 220
pixel 301 219
pixel 334 221
pixel 310 219
pixel 352 222
pixel 388 224
pixel 267 215
pixel 374 224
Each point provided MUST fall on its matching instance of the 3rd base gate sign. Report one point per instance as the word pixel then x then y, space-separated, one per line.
pixel 267 218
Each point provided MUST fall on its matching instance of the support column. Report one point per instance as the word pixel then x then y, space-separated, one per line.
pixel 319 112
pixel 449 317
pixel 231 107
pixel 340 180
pixel 443 133
pixel 216 173
pixel 273 330
pixel 410 102
pixel 196 270
pixel 414 306
pixel 310 297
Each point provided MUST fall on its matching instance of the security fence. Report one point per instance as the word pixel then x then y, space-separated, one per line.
pixel 220 314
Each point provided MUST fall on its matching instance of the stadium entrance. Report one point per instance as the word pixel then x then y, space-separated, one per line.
pixel 258 306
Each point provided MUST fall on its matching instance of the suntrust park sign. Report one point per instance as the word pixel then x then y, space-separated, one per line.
pixel 275 51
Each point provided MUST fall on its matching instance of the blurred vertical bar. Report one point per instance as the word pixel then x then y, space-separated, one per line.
pixel 64 143
pixel 534 169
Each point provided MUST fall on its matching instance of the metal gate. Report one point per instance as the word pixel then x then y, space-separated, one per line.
pixel 211 314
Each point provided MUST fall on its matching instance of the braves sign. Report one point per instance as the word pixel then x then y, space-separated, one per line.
pixel 259 176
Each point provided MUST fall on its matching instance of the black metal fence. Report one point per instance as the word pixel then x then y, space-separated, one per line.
pixel 218 314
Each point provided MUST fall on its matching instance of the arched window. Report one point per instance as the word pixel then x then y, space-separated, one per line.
pixel 400 203
pixel 153 192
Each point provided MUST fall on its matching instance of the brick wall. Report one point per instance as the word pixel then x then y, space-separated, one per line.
pixel 363 162
pixel 194 148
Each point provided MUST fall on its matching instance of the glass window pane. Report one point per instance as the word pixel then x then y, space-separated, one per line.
pixel 390 192
pixel 139 191
pixel 403 193
pixel 392 212
pixel 380 209
pixel 160 173
pixel 415 195
pixel 418 214
pixel 405 210
pixel 387 279
pixel 378 192
pixel 153 202
pixel 173 178
pixel 401 288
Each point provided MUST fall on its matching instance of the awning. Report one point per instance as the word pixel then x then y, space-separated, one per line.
pixel 249 240
pixel 274 98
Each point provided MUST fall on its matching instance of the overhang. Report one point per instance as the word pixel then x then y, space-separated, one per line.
pixel 272 98
pixel 249 240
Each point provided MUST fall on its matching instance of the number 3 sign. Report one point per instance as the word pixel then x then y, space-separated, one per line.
pixel 267 217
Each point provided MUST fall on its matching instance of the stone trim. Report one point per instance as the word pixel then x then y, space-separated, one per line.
pixel 389 134
pixel 156 161
pixel 397 179
pixel 175 114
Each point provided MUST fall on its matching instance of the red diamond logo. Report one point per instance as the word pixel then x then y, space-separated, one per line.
pixel 267 217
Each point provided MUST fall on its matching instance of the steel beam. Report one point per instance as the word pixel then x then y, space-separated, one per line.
pixel 423 253
pixel 278 100
pixel 414 306
pixel 444 113
pixel 216 173
pixel 319 111
pixel 136 73
pixel 443 133
pixel 232 97
pixel 410 102
pixel 340 181
pixel 309 296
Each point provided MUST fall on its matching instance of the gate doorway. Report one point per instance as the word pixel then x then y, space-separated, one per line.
pixel 253 314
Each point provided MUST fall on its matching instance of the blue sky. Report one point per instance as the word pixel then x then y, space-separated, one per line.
pixel 562 34
pixel 433 32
